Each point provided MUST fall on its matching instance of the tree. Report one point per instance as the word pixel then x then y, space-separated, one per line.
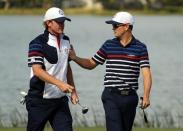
pixel 7 4
pixel 112 4
pixel 57 3
pixel 173 2
pixel 46 3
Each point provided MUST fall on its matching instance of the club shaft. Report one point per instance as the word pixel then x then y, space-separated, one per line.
pixel 145 117
pixel 77 102
pixel 80 105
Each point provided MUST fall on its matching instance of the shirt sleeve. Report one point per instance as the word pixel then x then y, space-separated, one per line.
pixel 144 58
pixel 35 54
pixel 100 55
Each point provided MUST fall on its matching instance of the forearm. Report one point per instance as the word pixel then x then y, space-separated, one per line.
pixel 147 84
pixel 70 79
pixel 43 75
pixel 85 62
pixel 147 88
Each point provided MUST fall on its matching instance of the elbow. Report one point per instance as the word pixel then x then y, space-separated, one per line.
pixel 87 67
pixel 36 73
pixel 91 65
pixel 90 68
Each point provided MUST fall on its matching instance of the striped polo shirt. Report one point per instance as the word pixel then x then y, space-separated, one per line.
pixel 122 63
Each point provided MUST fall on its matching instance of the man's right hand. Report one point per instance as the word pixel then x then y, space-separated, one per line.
pixel 66 88
pixel 72 53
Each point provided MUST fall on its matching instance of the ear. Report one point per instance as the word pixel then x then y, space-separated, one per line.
pixel 127 27
pixel 48 23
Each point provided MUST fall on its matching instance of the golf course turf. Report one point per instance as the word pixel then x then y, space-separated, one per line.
pixel 100 129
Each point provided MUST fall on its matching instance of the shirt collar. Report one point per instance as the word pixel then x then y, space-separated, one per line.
pixel 131 42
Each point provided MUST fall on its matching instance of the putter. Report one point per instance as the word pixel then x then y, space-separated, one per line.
pixel 145 116
pixel 84 108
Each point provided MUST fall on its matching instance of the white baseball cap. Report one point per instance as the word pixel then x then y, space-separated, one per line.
pixel 56 14
pixel 122 18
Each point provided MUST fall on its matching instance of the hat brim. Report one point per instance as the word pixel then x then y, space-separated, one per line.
pixel 62 19
pixel 111 22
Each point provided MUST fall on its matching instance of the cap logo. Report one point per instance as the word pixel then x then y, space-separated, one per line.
pixel 61 12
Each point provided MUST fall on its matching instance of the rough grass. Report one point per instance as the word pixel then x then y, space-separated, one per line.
pixel 99 129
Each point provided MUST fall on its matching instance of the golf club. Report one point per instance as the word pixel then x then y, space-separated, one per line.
pixel 145 116
pixel 84 108
pixel 23 93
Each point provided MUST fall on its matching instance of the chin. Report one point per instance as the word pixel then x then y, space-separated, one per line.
pixel 59 31
pixel 116 36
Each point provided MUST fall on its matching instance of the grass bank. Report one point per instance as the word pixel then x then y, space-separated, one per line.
pixel 100 129
pixel 85 11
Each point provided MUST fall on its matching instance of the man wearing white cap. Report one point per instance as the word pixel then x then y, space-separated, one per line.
pixel 51 76
pixel 125 56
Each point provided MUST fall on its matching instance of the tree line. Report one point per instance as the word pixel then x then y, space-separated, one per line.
pixel 6 4
pixel 107 4
pixel 140 4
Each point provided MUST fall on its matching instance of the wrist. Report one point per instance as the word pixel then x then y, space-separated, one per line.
pixel 73 91
pixel 75 58
pixel 146 97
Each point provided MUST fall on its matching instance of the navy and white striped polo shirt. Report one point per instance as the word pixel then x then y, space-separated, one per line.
pixel 122 63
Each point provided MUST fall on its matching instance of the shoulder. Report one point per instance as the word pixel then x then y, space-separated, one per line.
pixel 38 40
pixel 139 43
pixel 65 37
pixel 41 39
pixel 110 41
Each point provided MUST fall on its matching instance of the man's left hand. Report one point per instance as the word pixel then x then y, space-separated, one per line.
pixel 74 98
pixel 145 102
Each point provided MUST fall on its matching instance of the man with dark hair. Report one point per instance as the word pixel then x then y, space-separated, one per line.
pixel 124 56
pixel 51 76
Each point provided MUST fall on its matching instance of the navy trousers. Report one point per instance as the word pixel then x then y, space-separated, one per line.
pixel 120 110
pixel 56 111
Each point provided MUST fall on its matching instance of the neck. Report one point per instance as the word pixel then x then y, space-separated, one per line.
pixel 53 33
pixel 126 39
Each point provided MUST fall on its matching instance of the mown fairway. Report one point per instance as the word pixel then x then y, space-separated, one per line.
pixel 98 129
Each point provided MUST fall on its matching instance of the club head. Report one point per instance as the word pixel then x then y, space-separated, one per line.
pixel 84 110
pixel 23 93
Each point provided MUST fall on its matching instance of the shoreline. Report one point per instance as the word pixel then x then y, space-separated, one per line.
pixel 85 11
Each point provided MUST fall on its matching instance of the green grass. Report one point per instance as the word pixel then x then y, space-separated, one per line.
pixel 22 11
pixel 99 129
